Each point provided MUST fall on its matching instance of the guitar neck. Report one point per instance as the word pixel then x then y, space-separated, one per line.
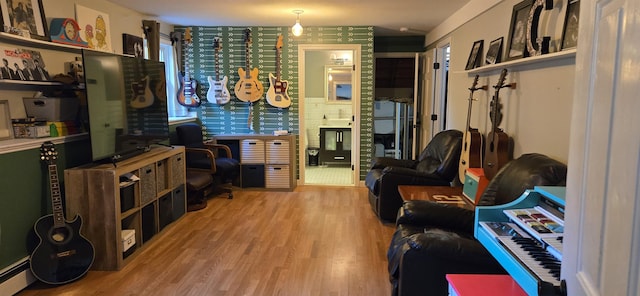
pixel 217 64
pixel 56 199
pixel 278 54
pixel 247 62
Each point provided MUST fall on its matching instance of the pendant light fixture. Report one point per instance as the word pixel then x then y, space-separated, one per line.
pixel 297 27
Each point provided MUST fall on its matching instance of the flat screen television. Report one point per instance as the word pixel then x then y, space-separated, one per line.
pixel 127 104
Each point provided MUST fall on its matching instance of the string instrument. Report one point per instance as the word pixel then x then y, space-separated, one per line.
pixel 471 154
pixel 277 93
pixel 187 91
pixel 248 88
pixel 218 91
pixel 497 148
pixel 63 255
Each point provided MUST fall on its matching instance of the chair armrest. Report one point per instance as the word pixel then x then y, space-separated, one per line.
pixel 382 162
pixel 428 213
pixel 408 172
pixel 216 147
pixel 208 153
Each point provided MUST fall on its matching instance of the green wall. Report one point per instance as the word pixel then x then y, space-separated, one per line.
pixel 232 118
pixel 25 195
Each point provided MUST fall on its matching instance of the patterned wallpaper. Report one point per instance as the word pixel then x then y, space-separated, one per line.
pixel 233 117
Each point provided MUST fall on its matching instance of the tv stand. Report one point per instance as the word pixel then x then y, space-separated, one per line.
pixel 111 208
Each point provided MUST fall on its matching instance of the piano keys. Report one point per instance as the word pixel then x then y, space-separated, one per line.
pixel 525 236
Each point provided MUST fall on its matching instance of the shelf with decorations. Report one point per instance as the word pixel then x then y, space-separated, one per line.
pixel 556 56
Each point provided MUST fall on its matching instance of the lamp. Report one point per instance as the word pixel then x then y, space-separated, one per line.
pixel 297 27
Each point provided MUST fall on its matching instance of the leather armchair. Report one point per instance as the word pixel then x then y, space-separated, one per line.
pixel 215 159
pixel 434 239
pixel 437 165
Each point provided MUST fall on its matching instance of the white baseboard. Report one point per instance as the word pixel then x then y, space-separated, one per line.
pixel 15 278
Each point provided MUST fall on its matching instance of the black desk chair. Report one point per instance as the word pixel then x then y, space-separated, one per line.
pixel 213 158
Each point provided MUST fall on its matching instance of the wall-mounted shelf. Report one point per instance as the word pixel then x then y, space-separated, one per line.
pixel 13 145
pixel 566 54
pixel 19 40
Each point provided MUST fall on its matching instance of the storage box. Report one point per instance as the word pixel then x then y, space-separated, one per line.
pixel 474 184
pixel 128 239
pixel 29 128
pixel 127 195
pixel 51 109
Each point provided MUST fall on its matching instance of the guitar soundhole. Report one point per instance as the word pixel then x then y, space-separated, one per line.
pixel 59 235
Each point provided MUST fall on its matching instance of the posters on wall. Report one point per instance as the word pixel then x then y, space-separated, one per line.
pixel 94 26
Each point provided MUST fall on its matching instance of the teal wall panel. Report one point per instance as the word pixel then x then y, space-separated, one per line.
pixel 234 117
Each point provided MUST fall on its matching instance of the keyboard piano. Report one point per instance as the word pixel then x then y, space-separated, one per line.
pixel 525 236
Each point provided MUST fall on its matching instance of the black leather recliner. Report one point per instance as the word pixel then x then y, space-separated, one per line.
pixel 437 165
pixel 432 240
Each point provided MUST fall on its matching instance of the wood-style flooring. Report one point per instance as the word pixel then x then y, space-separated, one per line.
pixel 317 240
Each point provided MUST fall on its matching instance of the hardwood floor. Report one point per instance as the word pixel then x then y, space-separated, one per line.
pixel 314 241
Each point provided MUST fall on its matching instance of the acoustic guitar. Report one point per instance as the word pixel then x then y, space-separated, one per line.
pixel 277 93
pixel 471 153
pixel 63 255
pixel 218 91
pixel 248 88
pixel 497 148
pixel 187 91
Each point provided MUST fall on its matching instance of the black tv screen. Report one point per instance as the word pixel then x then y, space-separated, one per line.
pixel 127 104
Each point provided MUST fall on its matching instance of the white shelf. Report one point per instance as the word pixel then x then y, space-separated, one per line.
pixel 14 145
pixel 15 39
pixel 565 54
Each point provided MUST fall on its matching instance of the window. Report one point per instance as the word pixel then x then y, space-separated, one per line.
pixel 168 56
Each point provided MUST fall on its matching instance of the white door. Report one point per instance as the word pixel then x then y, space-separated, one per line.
pixel 428 97
pixel 602 223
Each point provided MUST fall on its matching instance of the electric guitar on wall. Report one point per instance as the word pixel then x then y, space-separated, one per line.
pixel 187 91
pixel 277 93
pixel 497 148
pixel 218 91
pixel 248 88
pixel 471 154
pixel 63 254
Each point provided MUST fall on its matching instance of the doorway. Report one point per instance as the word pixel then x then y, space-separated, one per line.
pixel 329 103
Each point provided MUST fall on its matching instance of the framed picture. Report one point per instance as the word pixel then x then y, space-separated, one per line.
pixel 25 18
pixel 517 44
pixel 474 55
pixel 570 30
pixel 94 26
pixel 494 53
pixel 6 129
pixel 132 45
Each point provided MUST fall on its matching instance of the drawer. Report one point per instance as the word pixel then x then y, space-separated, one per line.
pixel 177 170
pixel 277 176
pixel 252 175
pixel 147 184
pixel 252 151
pixel 277 152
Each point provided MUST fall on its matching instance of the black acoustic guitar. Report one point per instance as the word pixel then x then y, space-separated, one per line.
pixel 497 149
pixel 63 255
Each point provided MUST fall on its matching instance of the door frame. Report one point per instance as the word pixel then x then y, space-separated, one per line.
pixel 355 106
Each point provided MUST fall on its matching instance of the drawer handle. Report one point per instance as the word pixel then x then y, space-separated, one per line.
pixel 149 171
pixel 277 143
pixel 277 169
pixel 159 164
pixel 178 191
pixel 253 143
pixel 179 158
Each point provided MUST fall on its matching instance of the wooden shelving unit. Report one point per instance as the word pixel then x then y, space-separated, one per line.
pixel 157 199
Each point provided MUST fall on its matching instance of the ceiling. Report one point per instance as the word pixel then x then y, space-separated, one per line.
pixel 387 16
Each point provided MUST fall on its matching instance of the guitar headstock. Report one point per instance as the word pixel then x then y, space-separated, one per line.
pixel 247 36
pixel 279 42
pixel 48 152
pixel 187 36
pixel 475 82
pixel 500 83
pixel 217 44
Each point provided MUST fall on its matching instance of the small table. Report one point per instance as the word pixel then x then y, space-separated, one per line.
pixel 439 194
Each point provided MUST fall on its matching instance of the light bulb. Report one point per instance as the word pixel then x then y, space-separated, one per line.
pixel 297 29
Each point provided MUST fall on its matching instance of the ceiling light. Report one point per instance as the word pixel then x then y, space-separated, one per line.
pixel 297 28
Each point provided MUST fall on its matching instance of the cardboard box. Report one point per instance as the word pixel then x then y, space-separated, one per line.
pixel 128 239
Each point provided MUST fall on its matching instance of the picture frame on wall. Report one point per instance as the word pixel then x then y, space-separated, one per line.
pixel 475 54
pixel 6 128
pixel 517 41
pixel 24 18
pixel 96 28
pixel 570 29
pixel 494 52
pixel 132 45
